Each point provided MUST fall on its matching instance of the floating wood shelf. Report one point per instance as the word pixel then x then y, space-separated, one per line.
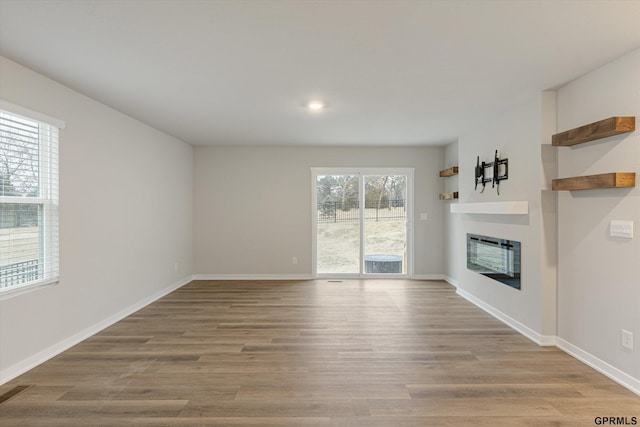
pixel 449 196
pixel 592 131
pixel 449 172
pixel 589 182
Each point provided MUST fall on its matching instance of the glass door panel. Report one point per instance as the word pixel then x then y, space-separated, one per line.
pixel 338 224
pixel 385 224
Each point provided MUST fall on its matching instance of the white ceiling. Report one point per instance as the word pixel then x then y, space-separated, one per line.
pixel 239 72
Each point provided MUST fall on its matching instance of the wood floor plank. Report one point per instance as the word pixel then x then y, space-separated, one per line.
pixel 313 353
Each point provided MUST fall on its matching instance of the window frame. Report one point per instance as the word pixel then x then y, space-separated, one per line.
pixel 362 172
pixel 47 198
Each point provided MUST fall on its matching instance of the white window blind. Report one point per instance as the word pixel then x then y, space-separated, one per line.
pixel 28 202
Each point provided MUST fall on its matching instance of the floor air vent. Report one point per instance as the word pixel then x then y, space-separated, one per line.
pixel 14 391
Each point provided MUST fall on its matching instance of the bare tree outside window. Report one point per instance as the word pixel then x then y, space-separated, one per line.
pixel 19 163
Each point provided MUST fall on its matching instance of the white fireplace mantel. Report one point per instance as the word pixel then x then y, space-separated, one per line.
pixel 520 207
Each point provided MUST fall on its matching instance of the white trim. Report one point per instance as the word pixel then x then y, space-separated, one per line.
pixel 265 277
pixel 11 372
pixel 428 277
pixel 599 365
pixel 548 340
pixel 31 114
pixel 542 340
pixel 25 200
pixel 450 280
pixel 14 291
pixel 314 222
pixel 498 208
pixel 356 276
pixel 410 221
pixel 272 277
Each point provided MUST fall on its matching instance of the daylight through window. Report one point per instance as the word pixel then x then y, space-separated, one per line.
pixel 28 202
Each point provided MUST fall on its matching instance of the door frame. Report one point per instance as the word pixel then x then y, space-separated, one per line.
pixel 360 172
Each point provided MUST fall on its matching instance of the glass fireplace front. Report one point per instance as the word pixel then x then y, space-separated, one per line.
pixel 496 258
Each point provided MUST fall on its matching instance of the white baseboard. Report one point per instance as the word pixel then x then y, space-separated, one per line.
pixel 10 372
pixel 542 340
pixel 252 277
pixel 270 277
pixel 450 280
pixel 428 277
pixel 599 365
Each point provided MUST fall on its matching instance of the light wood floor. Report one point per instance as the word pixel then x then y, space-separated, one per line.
pixel 315 353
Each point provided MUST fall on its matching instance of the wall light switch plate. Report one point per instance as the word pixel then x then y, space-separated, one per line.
pixel 627 339
pixel 621 229
pixel 423 216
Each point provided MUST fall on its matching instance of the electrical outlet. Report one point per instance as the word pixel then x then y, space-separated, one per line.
pixel 294 260
pixel 626 339
pixel 176 266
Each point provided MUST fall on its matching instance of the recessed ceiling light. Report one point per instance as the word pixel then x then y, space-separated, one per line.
pixel 315 105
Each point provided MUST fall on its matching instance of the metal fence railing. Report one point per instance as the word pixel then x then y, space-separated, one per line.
pixel 349 211
pixel 19 273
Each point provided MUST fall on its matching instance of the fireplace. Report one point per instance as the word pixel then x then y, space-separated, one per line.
pixel 496 258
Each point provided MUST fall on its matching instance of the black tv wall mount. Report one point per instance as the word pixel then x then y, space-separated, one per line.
pixel 492 172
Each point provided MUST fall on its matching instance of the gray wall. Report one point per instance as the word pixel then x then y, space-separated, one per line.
pixel 453 261
pixel 517 135
pixel 252 206
pixel 125 220
pixel 599 275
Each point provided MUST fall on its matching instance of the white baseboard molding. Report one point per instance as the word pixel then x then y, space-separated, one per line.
pixel 450 280
pixel 601 366
pixel 625 380
pixel 10 372
pixel 542 340
pixel 428 277
pixel 267 277
pixel 276 277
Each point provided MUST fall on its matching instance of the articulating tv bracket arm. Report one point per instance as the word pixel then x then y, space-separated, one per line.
pixel 496 176
pixel 479 176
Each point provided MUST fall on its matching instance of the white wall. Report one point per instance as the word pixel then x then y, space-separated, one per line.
pixel 125 219
pixel 452 240
pixel 252 206
pixel 599 275
pixel 517 135
pixel 548 216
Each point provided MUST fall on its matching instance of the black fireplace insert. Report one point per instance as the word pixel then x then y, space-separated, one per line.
pixel 496 258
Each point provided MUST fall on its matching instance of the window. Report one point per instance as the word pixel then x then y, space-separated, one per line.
pixel 28 202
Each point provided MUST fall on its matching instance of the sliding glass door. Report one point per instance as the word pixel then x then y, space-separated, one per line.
pixel 385 224
pixel 338 224
pixel 361 219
